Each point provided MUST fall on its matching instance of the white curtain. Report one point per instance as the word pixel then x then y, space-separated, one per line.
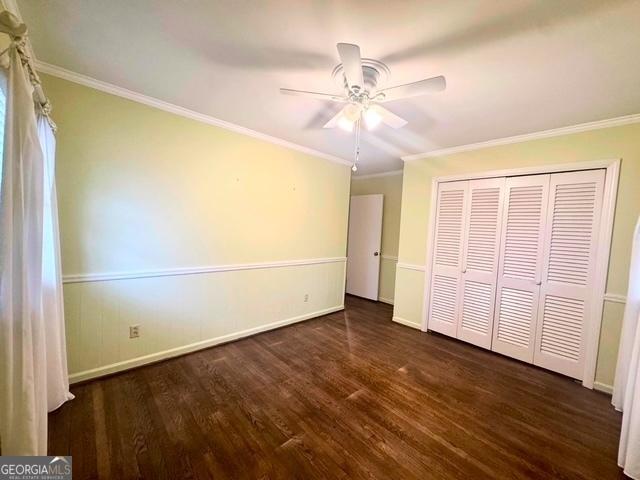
pixel 33 373
pixel 626 389
pixel 52 300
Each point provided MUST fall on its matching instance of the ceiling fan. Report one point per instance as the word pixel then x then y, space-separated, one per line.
pixel 362 79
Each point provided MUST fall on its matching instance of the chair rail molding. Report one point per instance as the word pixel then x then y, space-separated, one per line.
pixel 101 277
pixel 410 266
pixel 615 298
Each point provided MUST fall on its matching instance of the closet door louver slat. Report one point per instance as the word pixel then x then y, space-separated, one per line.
pixel 573 222
pixel 520 266
pixel 480 261
pixel 444 303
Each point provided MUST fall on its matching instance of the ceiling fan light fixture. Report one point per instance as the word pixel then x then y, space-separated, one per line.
pixel 372 118
pixel 352 112
pixel 345 123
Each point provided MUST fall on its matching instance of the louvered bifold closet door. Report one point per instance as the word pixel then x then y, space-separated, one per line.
pixel 566 297
pixel 480 261
pixel 520 266
pixel 444 304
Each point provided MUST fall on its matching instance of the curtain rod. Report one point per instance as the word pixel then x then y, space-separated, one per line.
pixel 17 31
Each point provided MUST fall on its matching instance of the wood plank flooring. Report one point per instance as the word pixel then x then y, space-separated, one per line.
pixel 348 395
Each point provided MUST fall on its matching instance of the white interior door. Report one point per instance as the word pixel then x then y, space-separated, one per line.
pixel 573 223
pixel 363 248
pixel 480 261
pixel 444 304
pixel 520 267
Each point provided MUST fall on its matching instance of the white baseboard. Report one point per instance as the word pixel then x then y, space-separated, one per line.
pixel 192 347
pixel 386 300
pixel 603 387
pixel 408 323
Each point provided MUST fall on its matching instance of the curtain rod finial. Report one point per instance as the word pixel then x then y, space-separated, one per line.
pixel 11 25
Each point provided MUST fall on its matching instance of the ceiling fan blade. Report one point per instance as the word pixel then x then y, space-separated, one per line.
pixel 320 96
pixel 333 122
pixel 414 89
pixel 351 64
pixel 390 118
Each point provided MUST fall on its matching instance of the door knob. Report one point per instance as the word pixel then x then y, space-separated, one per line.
pixel 539 283
pixel 375 254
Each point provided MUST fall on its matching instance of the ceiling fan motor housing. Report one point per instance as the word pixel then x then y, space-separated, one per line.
pixel 374 73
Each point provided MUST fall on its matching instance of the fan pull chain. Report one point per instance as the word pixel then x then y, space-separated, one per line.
pixel 357 153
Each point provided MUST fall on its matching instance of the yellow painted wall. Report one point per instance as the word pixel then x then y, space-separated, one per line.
pixel 141 189
pixel 391 187
pixel 617 142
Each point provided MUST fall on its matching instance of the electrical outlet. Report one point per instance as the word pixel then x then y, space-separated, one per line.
pixel 306 297
pixel 134 331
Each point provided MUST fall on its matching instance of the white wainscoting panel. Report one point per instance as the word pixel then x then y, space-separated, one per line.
pixel 186 312
pixel 386 291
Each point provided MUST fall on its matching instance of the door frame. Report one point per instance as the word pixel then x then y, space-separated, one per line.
pixel 594 320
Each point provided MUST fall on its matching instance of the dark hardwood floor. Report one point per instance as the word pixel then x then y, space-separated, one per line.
pixel 348 395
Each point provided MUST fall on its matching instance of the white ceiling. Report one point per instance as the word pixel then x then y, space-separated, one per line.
pixel 512 67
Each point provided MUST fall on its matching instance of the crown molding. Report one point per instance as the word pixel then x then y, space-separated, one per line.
pixel 377 175
pixel 583 127
pixel 90 82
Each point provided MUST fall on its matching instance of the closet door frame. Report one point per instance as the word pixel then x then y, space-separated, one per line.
pixel 594 317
